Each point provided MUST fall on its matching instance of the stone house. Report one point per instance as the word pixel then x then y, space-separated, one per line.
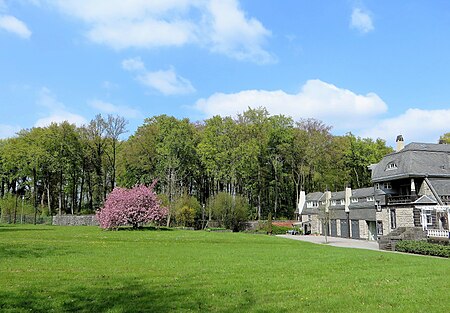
pixel 411 189
pixel 349 213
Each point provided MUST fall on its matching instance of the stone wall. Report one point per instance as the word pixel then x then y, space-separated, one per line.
pixel 384 217
pixel 363 230
pixel 405 217
pixel 75 220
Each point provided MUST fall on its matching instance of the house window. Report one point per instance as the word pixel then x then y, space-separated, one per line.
pixel 333 202
pixel 387 185
pixel 370 199
pixel 429 216
pixel 391 166
pixel 312 204
pixel 354 200
pixel 393 219
pixel 378 206
pixel 377 186
pixel 342 202
pixel 380 228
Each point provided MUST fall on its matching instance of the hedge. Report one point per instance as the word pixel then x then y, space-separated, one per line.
pixel 423 247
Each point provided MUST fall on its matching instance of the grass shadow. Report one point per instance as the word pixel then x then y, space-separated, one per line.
pixel 14 229
pixel 145 228
pixel 112 296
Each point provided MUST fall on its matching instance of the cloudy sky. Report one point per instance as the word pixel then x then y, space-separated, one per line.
pixel 375 68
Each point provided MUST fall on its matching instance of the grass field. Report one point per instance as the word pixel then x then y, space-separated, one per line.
pixel 84 269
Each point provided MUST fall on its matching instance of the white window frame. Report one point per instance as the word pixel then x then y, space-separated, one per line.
pixel 342 202
pixel 354 200
pixel 333 202
pixel 370 199
pixel 387 185
pixel 391 166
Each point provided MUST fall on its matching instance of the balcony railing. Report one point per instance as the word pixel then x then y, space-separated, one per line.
pixel 437 233
pixel 400 199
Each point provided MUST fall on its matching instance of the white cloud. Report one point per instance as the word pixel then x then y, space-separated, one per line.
pixel 56 110
pixel 218 25
pixel 361 20
pixel 133 64
pixel 110 108
pixel 15 26
pixel 233 34
pixel 415 125
pixel 338 107
pixel 8 131
pixel 167 82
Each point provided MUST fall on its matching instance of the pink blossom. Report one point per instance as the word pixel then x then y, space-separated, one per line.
pixel 135 207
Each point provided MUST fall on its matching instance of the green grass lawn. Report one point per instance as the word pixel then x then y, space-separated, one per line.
pixel 85 269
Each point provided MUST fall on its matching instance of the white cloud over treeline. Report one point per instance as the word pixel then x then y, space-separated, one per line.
pixel 218 25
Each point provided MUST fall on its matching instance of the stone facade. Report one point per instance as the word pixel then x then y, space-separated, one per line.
pixel 75 220
pixel 383 216
pixel 363 230
pixel 405 217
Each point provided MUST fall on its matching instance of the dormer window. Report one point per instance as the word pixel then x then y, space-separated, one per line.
pixel 354 200
pixel 370 199
pixel 342 202
pixel 391 166
pixel 333 202
pixel 312 204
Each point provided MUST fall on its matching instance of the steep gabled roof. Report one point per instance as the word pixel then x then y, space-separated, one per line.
pixel 415 160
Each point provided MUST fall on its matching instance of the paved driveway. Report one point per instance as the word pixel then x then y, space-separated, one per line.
pixel 336 241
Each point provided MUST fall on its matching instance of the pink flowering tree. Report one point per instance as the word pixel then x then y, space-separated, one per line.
pixel 135 207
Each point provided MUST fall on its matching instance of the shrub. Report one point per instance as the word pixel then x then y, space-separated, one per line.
pixel 135 207
pixel 187 211
pixel 280 230
pixel 423 247
pixel 230 211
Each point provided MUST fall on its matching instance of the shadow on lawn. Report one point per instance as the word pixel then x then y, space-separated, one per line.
pixel 131 296
pixel 12 229
pixel 30 252
pixel 144 228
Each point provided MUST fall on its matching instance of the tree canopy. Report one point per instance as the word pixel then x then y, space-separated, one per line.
pixel 265 159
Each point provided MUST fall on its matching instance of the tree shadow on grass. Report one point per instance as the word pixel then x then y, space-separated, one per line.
pixel 145 228
pixel 126 296
pixel 15 229
pixel 30 251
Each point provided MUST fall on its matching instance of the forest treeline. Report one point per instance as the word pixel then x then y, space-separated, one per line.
pixel 265 160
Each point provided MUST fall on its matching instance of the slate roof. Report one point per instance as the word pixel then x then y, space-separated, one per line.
pixel 442 186
pixel 361 194
pixel 415 160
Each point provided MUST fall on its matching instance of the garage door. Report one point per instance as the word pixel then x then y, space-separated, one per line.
pixel 355 229
pixel 333 228
pixel 344 229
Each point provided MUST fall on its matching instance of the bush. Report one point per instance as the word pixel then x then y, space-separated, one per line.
pixel 280 230
pixel 188 211
pixel 423 247
pixel 230 211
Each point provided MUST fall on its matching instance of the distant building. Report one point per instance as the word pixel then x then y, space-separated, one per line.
pixel 411 189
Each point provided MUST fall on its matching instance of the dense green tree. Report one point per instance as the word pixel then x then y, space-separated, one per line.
pixel 445 138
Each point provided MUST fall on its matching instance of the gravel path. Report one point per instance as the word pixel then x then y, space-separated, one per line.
pixel 336 241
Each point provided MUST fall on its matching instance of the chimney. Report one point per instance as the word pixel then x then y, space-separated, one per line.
pixel 348 194
pixel 400 143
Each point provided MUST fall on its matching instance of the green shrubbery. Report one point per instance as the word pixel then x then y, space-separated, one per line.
pixel 423 247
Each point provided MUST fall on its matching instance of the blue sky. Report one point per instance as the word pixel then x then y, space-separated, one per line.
pixel 375 68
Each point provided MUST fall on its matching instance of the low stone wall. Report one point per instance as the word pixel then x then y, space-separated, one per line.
pixel 75 220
